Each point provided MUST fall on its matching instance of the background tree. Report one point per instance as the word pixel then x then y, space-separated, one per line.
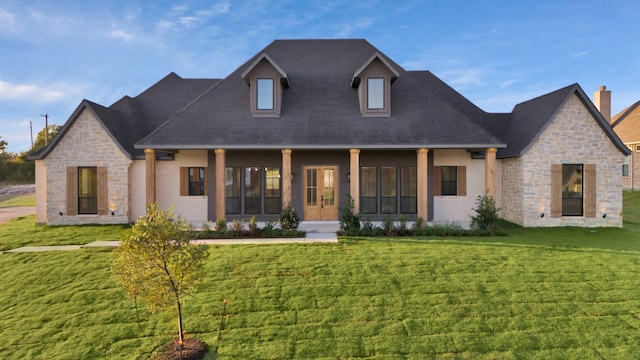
pixel 158 264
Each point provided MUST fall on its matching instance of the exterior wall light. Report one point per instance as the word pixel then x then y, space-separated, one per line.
pixel 348 177
pixel 542 215
pixel 604 215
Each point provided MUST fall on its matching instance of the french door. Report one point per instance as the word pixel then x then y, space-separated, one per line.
pixel 320 193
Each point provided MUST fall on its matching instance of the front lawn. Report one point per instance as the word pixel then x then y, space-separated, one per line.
pixel 23 231
pixel 388 299
pixel 563 293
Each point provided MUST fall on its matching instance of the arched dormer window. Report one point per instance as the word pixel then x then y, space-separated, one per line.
pixel 266 81
pixel 373 80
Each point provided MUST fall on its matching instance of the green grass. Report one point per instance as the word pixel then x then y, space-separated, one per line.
pixel 23 231
pixel 19 200
pixel 566 293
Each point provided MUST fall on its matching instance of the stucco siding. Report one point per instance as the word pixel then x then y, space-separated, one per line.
pixel 459 209
pixel 41 193
pixel 572 137
pixel 138 200
pixel 192 208
pixel 86 143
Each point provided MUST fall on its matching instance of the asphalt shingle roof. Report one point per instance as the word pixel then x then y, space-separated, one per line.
pixel 320 109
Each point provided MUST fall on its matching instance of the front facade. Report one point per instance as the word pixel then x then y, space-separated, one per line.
pixel 312 122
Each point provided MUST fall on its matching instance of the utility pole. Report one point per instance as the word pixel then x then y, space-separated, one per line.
pixel 31 131
pixel 46 129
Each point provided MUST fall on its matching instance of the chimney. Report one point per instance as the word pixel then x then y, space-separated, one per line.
pixel 602 101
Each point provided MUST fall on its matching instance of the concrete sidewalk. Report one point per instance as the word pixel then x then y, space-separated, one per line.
pixel 315 232
pixel 309 238
pixel 12 212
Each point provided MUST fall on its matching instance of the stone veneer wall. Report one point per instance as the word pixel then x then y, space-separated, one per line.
pixel 572 137
pixel 86 143
pixel 512 190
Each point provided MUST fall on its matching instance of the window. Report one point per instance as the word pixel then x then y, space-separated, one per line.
pixel 87 190
pixel 252 190
pixel 408 190
pixel 572 189
pixel 637 148
pixel 196 181
pixel 625 166
pixel 247 187
pixel 375 93
pixel 368 190
pixel 264 98
pixel 232 190
pixel 449 180
pixel 272 200
pixel 388 186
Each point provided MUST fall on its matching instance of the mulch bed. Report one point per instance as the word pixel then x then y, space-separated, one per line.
pixel 192 349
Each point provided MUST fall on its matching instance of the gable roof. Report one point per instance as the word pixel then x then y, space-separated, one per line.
pixel 284 79
pixel 130 119
pixel 530 118
pixel 627 123
pixel 320 109
pixel 355 80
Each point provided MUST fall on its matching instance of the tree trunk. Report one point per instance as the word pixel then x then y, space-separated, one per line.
pixel 180 322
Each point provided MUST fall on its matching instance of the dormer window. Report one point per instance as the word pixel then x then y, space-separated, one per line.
pixel 265 94
pixel 373 80
pixel 375 93
pixel 266 81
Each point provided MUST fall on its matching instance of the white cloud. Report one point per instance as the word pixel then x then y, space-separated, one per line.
pixel 580 54
pixel 7 22
pixel 37 93
pixel 188 21
pixel 121 35
pixel 359 24
pixel 462 78
pixel 217 9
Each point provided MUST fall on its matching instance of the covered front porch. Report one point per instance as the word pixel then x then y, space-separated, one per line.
pixel 242 183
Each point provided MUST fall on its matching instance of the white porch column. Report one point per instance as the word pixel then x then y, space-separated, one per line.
pixel 490 172
pixel 423 184
pixel 286 177
pixel 220 191
pixel 354 182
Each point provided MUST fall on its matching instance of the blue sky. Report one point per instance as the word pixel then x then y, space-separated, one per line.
pixel 496 53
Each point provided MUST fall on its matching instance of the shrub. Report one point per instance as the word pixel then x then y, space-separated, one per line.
pixel 388 228
pixel 486 217
pixel 221 225
pixel 350 221
pixel 289 218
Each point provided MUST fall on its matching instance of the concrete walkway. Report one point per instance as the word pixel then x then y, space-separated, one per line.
pixel 12 212
pixel 316 232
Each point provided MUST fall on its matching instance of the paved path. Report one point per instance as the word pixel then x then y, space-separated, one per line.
pixel 8 213
pixel 309 238
pixel 316 232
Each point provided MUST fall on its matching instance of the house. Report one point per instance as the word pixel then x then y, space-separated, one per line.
pixel 308 122
pixel 626 124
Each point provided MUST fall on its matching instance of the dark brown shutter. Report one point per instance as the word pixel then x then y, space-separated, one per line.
pixel 462 181
pixel 103 195
pixel 72 190
pixel 590 190
pixel 556 190
pixel 437 182
pixel 184 181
